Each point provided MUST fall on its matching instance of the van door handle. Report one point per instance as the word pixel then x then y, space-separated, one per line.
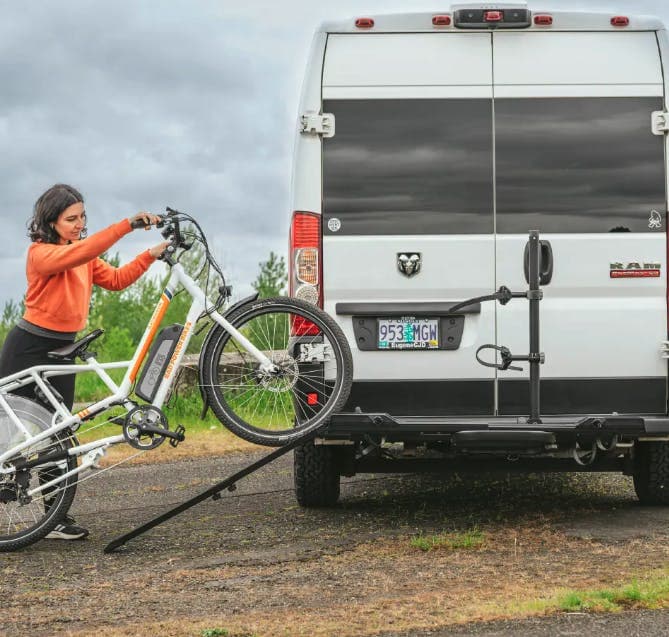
pixel 546 266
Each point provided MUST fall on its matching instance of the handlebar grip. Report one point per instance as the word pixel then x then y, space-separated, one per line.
pixel 139 223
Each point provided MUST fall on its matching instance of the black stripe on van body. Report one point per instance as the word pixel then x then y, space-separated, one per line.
pixel 424 397
pixel 587 396
pixel 583 396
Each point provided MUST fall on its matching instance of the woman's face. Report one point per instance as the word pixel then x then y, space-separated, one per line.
pixel 70 223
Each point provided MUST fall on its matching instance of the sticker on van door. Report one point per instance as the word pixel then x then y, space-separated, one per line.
pixel 655 220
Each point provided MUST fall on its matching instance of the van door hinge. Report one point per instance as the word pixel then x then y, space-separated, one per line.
pixel 315 124
pixel 660 120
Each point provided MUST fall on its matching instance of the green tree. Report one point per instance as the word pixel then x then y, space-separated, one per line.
pixel 11 313
pixel 273 277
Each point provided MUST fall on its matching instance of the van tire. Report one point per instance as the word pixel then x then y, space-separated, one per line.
pixel 316 475
pixel 651 472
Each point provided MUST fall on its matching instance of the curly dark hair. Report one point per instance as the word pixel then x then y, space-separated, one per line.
pixel 47 210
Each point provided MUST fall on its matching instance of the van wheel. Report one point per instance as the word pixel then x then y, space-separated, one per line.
pixel 316 475
pixel 651 472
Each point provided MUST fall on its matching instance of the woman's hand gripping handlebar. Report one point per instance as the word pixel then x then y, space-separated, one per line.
pixel 146 220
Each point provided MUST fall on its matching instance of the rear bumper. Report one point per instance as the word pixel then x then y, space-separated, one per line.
pixel 497 432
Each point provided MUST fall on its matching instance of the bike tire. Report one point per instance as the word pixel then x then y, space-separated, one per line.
pixel 24 524
pixel 273 411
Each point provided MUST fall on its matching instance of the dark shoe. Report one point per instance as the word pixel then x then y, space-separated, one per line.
pixel 68 530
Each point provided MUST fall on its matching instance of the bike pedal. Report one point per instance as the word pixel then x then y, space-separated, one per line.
pixel 179 436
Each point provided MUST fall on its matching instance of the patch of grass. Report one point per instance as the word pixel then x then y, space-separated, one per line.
pixel 650 594
pixel 471 539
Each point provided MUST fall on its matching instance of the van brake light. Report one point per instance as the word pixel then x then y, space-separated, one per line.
pixel 491 18
pixel 620 21
pixel 305 267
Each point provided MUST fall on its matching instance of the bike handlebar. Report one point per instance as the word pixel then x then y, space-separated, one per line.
pixel 171 231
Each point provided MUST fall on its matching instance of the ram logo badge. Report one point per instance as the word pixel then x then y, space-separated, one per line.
pixel 409 263
pixel 635 270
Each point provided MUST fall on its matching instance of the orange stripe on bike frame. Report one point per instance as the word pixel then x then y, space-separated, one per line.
pixel 153 326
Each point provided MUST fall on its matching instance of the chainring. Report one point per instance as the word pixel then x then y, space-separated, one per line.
pixel 135 423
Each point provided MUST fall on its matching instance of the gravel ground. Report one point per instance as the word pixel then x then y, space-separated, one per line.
pixel 636 624
pixel 254 563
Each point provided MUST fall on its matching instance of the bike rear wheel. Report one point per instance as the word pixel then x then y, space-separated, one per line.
pixel 26 519
pixel 314 371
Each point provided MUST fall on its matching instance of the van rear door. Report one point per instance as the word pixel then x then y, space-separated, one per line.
pixel 408 219
pixel 577 160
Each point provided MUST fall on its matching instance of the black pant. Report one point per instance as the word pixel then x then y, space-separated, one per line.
pixel 22 350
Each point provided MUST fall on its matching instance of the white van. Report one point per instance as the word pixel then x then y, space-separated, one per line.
pixel 429 146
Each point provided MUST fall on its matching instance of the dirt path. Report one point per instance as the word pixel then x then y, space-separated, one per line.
pixel 254 563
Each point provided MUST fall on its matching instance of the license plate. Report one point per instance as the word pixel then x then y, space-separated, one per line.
pixel 408 333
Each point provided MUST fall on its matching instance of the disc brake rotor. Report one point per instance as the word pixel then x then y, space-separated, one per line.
pixel 284 377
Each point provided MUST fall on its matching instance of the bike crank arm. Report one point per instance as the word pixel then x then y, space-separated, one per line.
pixel 214 491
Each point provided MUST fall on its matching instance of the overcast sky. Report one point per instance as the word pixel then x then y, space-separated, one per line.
pixel 186 103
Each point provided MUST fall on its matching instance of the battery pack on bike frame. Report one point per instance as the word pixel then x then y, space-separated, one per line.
pixel 159 358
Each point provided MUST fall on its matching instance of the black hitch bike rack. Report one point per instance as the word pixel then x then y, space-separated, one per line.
pixel 535 359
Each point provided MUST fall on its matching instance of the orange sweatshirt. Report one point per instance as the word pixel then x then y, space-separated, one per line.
pixel 61 277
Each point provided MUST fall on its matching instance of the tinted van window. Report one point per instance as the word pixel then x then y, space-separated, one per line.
pixel 409 166
pixel 578 165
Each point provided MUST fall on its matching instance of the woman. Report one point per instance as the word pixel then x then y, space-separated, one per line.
pixel 61 268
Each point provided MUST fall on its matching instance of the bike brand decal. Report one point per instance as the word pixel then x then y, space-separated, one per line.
pixel 655 220
pixel 177 349
pixel 409 263
pixel 634 270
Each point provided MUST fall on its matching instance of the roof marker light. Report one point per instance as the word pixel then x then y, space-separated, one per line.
pixel 620 21
pixel 543 20
pixel 364 23
pixel 441 20
pixel 493 16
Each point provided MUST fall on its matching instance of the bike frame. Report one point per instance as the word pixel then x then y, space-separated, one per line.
pixel 95 450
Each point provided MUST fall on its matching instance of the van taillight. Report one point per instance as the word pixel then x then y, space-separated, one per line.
pixel 441 20
pixel 305 266
pixel 543 20
pixel 620 21
pixel 493 16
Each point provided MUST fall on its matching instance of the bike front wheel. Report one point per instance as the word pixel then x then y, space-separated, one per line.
pixel 311 379
pixel 26 518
